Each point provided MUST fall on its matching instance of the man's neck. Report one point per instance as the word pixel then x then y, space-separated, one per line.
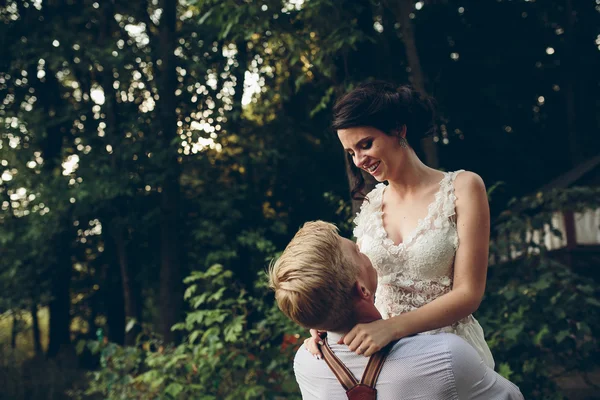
pixel 364 317
pixel 366 312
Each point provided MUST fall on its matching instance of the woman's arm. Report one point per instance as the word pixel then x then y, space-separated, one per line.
pixel 470 271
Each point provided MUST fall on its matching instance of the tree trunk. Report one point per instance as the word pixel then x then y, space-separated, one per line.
pixel 60 292
pixel 60 282
pixel 118 209
pixel 130 294
pixel 91 321
pixel 112 293
pixel 35 327
pixel 171 294
pixel 402 10
pixel 15 330
pixel 171 300
pixel 569 65
pixel 60 307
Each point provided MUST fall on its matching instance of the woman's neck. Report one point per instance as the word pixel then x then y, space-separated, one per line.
pixel 412 176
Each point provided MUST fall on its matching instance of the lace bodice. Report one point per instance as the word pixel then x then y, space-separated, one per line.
pixel 421 268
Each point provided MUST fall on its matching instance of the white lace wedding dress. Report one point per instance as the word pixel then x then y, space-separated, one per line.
pixel 420 269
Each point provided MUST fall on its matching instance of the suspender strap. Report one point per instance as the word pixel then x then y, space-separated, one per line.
pixel 343 374
pixel 374 367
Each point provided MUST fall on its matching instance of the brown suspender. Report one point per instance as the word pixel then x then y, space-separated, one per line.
pixel 355 390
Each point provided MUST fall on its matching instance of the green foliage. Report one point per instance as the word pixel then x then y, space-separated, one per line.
pixel 539 314
pixel 236 346
pixel 539 323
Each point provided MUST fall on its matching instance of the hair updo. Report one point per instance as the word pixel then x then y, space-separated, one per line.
pixel 387 108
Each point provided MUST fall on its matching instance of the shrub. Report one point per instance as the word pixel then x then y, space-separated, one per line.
pixel 539 314
pixel 234 348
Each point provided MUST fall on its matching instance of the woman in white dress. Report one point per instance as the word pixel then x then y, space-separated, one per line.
pixel 425 231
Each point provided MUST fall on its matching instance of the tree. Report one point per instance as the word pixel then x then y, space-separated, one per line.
pixel 402 10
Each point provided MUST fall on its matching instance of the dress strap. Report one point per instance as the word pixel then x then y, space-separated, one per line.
pixel 449 204
pixel 454 174
pixel 371 203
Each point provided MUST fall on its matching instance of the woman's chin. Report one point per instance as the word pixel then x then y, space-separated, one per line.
pixel 378 174
pixel 379 178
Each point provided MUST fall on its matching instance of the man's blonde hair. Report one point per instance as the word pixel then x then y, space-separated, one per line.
pixel 313 280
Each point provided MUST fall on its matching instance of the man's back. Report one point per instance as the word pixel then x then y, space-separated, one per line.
pixel 432 367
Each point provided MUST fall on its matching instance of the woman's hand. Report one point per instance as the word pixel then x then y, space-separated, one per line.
pixel 367 339
pixel 312 344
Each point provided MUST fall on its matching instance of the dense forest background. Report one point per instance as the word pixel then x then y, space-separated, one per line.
pixel 155 155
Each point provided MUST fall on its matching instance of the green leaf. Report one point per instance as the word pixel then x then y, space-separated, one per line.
pixel 233 331
pixel 148 377
pixel 537 339
pixel 226 31
pixel 189 292
pixel 218 294
pixel 513 332
pixel 205 16
pixel 240 361
pixel 254 392
pixel 510 294
pixel 505 370
pixel 94 346
pixel 130 324
pixel 178 326
pixel 193 336
pixel 199 300
pixel 592 301
pixel 174 389
pixel 80 346
pixel 174 360
pixel 211 333
pixel 560 336
pixel 584 328
pixel 542 284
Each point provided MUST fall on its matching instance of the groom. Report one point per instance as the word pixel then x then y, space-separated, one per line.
pixel 323 282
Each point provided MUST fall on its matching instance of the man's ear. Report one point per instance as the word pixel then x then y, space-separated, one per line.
pixel 362 292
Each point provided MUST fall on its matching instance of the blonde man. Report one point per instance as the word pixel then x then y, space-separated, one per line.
pixel 322 281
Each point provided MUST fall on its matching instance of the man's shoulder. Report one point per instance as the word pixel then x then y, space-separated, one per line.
pixel 306 364
pixel 442 343
pixel 302 355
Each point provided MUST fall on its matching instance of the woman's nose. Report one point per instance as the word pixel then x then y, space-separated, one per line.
pixel 359 160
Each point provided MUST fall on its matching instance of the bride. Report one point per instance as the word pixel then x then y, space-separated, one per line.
pixel 425 231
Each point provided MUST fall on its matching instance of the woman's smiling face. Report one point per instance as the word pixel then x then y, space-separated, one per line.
pixel 372 150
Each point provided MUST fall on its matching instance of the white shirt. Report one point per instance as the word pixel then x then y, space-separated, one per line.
pixel 423 367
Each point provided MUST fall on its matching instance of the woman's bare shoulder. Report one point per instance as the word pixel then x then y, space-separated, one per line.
pixel 468 182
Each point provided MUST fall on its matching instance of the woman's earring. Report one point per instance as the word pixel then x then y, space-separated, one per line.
pixel 403 142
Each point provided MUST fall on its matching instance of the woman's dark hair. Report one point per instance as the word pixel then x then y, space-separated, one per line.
pixel 387 108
